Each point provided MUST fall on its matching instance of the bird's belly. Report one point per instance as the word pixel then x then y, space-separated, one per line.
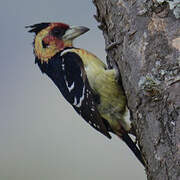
pixel 112 105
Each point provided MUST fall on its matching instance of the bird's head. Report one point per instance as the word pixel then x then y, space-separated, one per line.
pixel 50 38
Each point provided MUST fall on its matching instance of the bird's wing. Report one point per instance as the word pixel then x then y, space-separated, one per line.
pixel 79 92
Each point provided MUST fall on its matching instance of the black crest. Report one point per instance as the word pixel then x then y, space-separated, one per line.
pixel 37 27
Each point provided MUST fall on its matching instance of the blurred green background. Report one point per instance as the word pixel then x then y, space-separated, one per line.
pixel 41 136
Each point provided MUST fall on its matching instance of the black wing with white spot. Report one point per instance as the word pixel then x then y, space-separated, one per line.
pixel 79 93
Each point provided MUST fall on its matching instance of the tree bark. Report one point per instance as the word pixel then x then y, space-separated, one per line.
pixel 143 38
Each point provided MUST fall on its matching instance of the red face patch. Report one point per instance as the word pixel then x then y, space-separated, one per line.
pixel 49 40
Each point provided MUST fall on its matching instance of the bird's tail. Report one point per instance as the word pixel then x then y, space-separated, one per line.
pixel 126 138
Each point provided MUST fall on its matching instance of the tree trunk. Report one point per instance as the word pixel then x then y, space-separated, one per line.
pixel 143 38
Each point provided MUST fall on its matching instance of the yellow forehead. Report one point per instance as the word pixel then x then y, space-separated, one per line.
pixel 44 54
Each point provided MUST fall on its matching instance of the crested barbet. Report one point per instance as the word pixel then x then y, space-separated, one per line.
pixel 83 79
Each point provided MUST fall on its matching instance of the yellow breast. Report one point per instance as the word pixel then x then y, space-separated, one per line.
pixel 112 105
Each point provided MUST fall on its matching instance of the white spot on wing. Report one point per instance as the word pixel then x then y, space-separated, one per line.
pixel 92 109
pixel 63 67
pixel 71 87
pixel 81 98
pixel 75 101
pixel 66 82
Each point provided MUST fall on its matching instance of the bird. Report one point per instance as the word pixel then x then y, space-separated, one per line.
pixel 84 80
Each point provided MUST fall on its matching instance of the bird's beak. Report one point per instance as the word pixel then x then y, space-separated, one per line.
pixel 74 32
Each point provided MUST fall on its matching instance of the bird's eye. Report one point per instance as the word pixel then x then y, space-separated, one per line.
pixel 58 32
pixel 44 44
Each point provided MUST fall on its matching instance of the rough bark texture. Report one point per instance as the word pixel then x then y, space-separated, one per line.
pixel 143 38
